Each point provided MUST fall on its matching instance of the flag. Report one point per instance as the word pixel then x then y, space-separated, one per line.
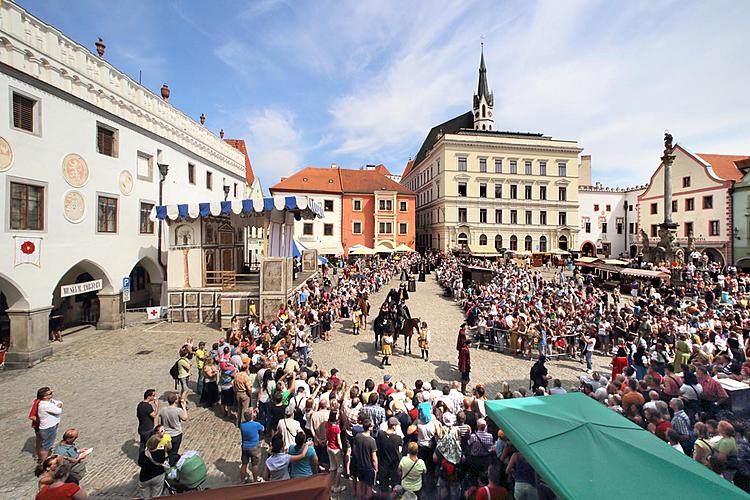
pixel 28 250
pixel 153 312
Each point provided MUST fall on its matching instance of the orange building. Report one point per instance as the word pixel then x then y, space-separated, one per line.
pixel 374 209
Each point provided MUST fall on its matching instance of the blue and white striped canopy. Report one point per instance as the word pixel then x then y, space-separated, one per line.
pixel 307 208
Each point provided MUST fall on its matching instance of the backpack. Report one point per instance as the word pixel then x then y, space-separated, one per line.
pixel 175 370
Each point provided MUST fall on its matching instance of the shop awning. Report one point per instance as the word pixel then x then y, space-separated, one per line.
pixel 587 261
pixel 482 250
pixel 643 273
pixel 566 438
pixel 403 249
pixel 325 247
pixel 559 251
pixel 383 249
pixel 616 262
pixel 306 207
pixel 361 250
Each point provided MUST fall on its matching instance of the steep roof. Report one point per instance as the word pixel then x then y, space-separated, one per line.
pixel 382 169
pixel 239 145
pixel 482 87
pixel 310 179
pixel 724 166
pixel 452 126
pixel 369 181
pixel 408 168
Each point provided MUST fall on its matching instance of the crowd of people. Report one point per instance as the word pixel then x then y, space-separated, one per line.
pixel 393 438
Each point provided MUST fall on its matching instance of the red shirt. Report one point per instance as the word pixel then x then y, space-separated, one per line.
pixel 62 492
pixel 34 415
pixel 495 493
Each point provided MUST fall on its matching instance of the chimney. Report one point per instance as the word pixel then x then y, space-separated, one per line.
pixel 165 92
pixel 333 165
pixel 584 171
pixel 100 47
pixel 203 119
pixel 283 179
pixel 221 133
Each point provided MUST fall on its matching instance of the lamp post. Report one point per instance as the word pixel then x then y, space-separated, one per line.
pixel 163 171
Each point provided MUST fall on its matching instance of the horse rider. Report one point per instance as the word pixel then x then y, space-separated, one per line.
pixel 402 314
pixel 380 323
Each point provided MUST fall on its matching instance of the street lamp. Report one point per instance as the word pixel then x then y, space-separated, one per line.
pixel 163 171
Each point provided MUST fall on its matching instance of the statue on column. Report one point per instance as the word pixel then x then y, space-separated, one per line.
pixel 668 143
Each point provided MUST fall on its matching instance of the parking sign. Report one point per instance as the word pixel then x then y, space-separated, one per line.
pixel 126 289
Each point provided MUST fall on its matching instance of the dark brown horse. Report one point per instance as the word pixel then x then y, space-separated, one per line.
pixel 408 329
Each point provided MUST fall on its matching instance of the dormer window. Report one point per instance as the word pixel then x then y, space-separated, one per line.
pixel 304 179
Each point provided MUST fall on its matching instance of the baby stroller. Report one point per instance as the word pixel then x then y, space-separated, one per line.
pixel 188 474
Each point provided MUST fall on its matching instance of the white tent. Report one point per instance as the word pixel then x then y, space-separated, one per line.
pixel 361 250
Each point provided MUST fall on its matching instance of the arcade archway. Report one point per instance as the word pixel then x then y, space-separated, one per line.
pixel 11 297
pixel 588 249
pixel 145 284
pixel 75 298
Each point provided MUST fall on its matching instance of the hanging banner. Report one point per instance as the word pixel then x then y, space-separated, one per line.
pixel 79 288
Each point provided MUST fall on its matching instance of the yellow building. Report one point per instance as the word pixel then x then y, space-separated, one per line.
pixel 492 189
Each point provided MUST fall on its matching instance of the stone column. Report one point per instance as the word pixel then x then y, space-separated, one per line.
pixel 29 337
pixel 109 311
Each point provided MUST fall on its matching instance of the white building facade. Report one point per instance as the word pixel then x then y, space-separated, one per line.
pixel 81 146
pixel 609 220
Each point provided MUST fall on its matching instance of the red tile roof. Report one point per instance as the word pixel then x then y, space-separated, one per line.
pixel 408 168
pixel 319 180
pixel 381 169
pixel 239 144
pixel 369 181
pixel 338 181
pixel 724 165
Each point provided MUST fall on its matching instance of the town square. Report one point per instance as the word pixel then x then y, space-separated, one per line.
pixel 374 250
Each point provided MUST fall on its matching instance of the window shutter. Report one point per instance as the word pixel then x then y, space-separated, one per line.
pixel 23 112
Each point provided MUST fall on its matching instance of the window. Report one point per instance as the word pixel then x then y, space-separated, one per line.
pixel 498 190
pixel 688 229
pixel 543 217
pixel 328 229
pixel 528 217
pixel 513 192
pixel 562 242
pixel 356 228
pixel 604 227
pixel 403 206
pixel 514 216
pixel 462 215
pixel 527 167
pixel 386 205
pixel 587 226
pixel 542 243
pixel 654 208
pixel 686 182
pixel 542 192
pixel 631 228
pixel 209 180
pixel 609 208
pixel 235 190
pixel 106 220
pixel 307 229
pixel 708 202
pixel 596 207
pixel 498 166
pixel 483 190
pixel 145 167
pixel 403 228
pixel 562 169
pixel 620 225
pixel 713 228
pixel 674 206
pixel 498 242
pixel 543 171
pixel 689 204
pixel 462 189
pixel 106 141
pixel 357 205
pixel 513 167
pixel 191 173
pixel 514 242
pixel 562 193
pixel 147 225
pixel 527 243
pixel 462 164
pixel 462 239
pixel 483 240
pixel 562 219
pixel 24 112
pixel 498 216
pixel 26 207
pixel 654 230
pixel 328 205
pixel 385 228
pixel 483 165
pixel 527 192
pixel 483 215
pixel 630 207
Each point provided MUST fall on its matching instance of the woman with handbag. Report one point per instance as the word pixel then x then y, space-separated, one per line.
pixel 412 470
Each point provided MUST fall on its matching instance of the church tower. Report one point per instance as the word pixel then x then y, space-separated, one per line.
pixel 483 101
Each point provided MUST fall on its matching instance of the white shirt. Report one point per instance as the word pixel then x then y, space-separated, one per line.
pixel 49 413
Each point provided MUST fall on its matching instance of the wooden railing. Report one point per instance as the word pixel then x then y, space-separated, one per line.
pixel 230 280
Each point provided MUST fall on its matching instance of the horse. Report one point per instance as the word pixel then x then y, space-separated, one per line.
pixel 364 306
pixel 408 328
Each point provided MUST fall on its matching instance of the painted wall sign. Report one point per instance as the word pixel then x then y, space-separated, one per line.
pixel 78 288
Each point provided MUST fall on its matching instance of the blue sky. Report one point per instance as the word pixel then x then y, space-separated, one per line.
pixel 356 82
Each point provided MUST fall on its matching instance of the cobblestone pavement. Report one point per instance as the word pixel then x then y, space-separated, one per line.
pixel 101 375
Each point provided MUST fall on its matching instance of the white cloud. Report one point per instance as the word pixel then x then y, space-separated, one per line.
pixel 274 143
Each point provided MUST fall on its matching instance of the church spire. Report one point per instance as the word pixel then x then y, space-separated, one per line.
pixel 483 100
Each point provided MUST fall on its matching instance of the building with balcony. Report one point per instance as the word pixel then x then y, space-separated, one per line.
pixel 496 189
